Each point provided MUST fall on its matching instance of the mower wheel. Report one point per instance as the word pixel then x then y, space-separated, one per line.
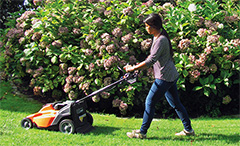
pixel 26 123
pixel 89 118
pixel 67 126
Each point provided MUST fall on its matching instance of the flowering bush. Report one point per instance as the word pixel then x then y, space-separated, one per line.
pixel 71 48
pixel 207 49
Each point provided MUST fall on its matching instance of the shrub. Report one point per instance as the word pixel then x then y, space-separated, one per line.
pixel 72 48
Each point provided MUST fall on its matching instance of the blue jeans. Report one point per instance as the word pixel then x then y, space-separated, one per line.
pixel 157 91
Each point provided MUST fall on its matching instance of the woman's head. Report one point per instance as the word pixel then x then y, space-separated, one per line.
pixel 154 20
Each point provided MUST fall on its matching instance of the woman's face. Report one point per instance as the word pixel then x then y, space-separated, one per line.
pixel 149 28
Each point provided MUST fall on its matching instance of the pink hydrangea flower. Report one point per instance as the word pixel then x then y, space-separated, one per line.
pixel 107 81
pixel 63 30
pixel 117 32
pixel 202 32
pixel 98 21
pixel 146 44
pixel 36 36
pixel 96 98
pixel 227 99
pixel 57 43
pixel 192 58
pixel 110 48
pixel 105 95
pixel 116 102
pixel 37 90
pixel 195 74
pixel 128 11
pixel 106 38
pixel 84 86
pixel 208 50
pixel 231 19
pixel 127 38
pixel 72 70
pixel 213 68
pixel 123 106
pixel 69 79
pixel 72 95
pixel 184 44
pixel 213 38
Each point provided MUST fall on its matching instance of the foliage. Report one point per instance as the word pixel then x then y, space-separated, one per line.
pixel 72 48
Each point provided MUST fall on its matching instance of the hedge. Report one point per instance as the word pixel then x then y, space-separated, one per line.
pixel 66 49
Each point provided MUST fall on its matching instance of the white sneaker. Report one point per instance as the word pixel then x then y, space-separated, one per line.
pixel 185 133
pixel 136 134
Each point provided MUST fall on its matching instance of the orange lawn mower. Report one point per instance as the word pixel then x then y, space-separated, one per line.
pixel 69 116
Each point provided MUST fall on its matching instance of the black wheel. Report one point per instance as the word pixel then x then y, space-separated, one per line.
pixel 26 123
pixel 89 118
pixel 67 126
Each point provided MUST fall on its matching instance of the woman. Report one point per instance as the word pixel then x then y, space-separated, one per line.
pixel 166 77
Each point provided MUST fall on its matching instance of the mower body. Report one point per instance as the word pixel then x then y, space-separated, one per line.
pixel 67 117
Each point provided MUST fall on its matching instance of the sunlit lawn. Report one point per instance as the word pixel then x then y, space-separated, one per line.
pixel 109 129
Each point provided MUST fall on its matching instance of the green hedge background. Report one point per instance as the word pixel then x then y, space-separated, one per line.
pixel 66 49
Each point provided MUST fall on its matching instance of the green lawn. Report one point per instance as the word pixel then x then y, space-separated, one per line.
pixel 109 129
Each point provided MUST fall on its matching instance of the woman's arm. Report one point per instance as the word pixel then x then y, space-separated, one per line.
pixel 139 66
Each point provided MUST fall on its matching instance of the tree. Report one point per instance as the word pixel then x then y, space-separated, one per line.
pixel 7 7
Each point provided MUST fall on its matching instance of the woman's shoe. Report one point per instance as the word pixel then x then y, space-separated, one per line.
pixel 186 133
pixel 136 134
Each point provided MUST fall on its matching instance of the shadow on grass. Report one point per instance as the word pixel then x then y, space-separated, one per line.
pixel 231 139
pixel 17 104
pixel 103 130
pixel 9 101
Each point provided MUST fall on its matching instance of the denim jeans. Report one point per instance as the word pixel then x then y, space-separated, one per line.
pixel 157 91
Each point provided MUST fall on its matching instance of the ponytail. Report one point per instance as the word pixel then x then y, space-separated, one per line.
pixel 164 32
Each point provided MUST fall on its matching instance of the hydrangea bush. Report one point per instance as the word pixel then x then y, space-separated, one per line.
pixel 70 48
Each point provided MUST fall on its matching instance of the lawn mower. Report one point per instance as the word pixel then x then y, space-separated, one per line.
pixel 69 116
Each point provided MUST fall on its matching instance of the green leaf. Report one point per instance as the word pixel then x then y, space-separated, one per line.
pixel 197 88
pixel 215 92
pixel 37 25
pixel 179 65
pixel 185 24
pixel 148 12
pixel 206 81
pixel 189 66
pixel 27 52
pixel 206 92
pixel 45 89
pixel 201 81
pixel 54 60
pixel 221 39
pixel 211 78
pixel 212 86
pixel 109 8
pixel 135 40
pixel 185 73
pixel 97 82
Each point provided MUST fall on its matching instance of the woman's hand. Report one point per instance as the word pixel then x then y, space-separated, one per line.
pixel 129 68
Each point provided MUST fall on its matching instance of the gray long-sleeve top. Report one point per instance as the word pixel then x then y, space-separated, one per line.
pixel 161 60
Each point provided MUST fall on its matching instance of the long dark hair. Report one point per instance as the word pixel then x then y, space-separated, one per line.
pixel 155 21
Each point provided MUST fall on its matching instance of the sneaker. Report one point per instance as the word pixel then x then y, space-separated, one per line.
pixel 186 133
pixel 136 134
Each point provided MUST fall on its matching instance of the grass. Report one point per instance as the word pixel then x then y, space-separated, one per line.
pixel 109 129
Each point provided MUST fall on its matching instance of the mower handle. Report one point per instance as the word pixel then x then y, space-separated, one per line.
pixel 130 77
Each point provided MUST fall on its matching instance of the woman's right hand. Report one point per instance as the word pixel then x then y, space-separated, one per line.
pixel 128 68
